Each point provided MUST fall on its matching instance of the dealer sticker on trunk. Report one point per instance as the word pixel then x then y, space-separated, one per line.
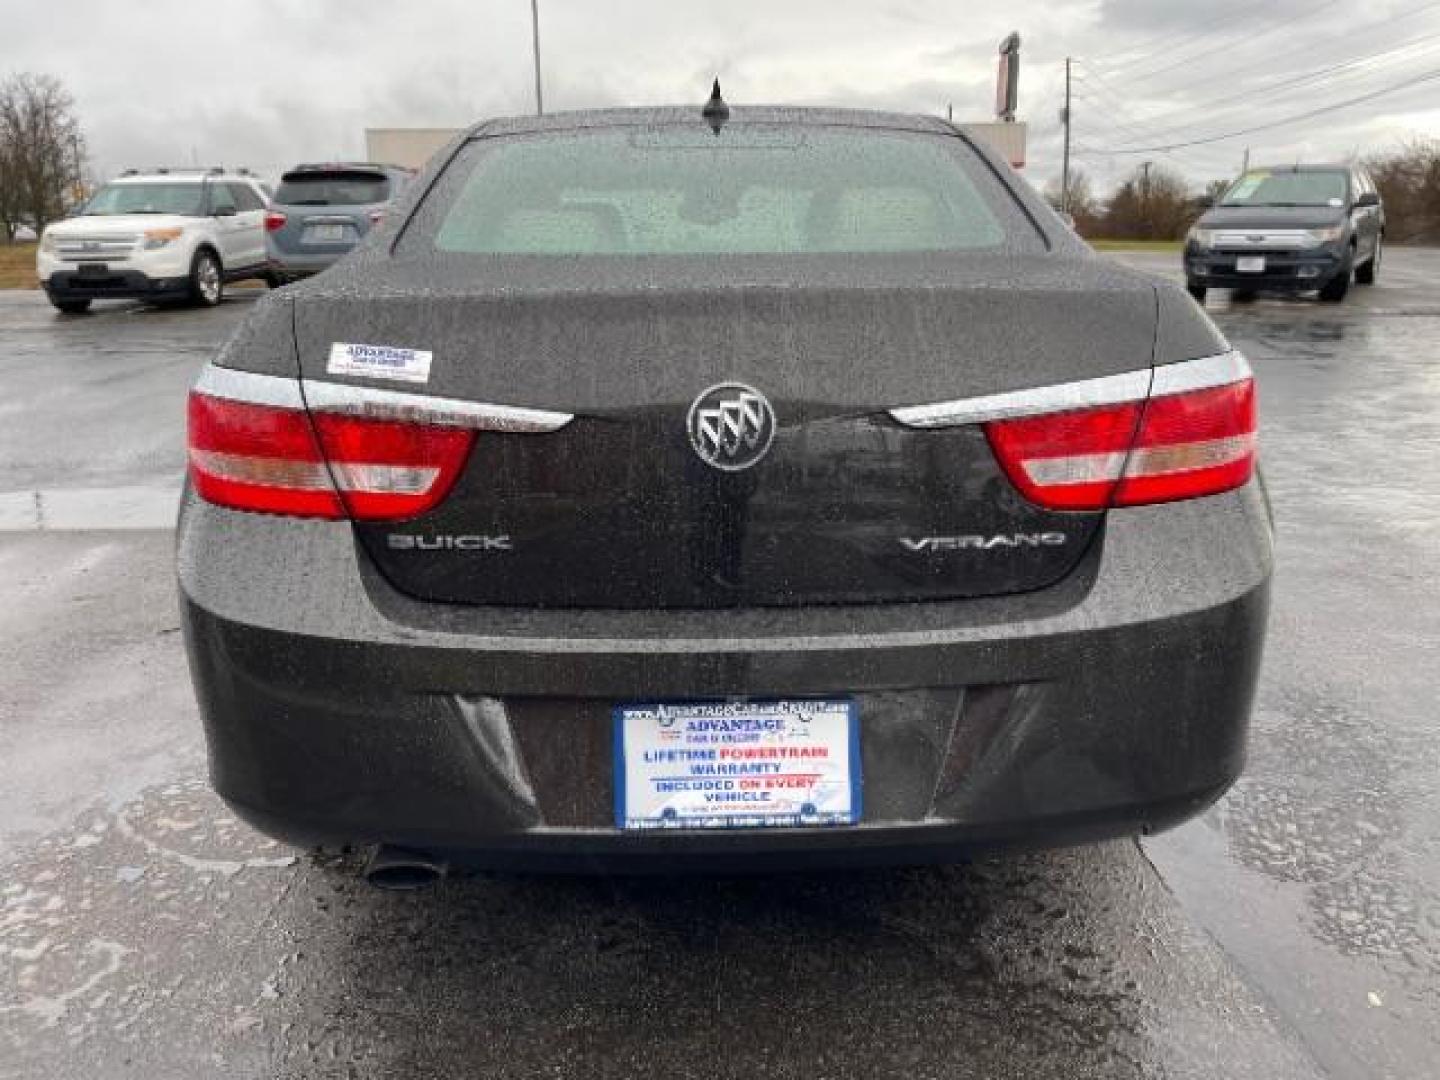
pixel 716 765
pixel 379 362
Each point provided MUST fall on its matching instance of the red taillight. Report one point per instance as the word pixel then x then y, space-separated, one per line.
pixel 1199 443
pixel 258 457
pixel 269 459
pixel 274 220
pixel 388 470
pixel 1177 446
pixel 377 216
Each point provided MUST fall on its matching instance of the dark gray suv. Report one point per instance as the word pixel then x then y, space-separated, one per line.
pixel 1296 228
pixel 663 489
pixel 320 212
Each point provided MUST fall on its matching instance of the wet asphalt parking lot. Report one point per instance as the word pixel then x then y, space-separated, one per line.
pixel 1294 931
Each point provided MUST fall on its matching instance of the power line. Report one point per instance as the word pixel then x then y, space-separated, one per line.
pixel 1122 117
pixel 1354 63
pixel 1187 158
pixel 1334 107
pixel 1146 48
pixel 1247 97
pixel 1242 36
pixel 1099 66
pixel 1236 34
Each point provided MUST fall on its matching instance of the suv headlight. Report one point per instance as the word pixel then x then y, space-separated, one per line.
pixel 1316 237
pixel 1202 238
pixel 158 238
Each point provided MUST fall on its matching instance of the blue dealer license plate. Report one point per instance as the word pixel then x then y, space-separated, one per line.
pixel 728 765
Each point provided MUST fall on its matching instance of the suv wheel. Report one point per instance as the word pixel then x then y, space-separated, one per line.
pixel 71 307
pixel 207 282
pixel 1366 274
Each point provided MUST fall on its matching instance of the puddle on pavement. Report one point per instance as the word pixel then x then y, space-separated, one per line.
pixel 169 936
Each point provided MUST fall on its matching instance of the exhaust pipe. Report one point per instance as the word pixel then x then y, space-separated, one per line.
pixel 402 870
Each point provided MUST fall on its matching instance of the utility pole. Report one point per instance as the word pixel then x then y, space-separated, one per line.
pixel 1065 167
pixel 1145 199
pixel 535 35
pixel 1245 162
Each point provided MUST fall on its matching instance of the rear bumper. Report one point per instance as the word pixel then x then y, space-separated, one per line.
pixel 1296 271
pixel 337 710
pixel 114 285
pixel 292 265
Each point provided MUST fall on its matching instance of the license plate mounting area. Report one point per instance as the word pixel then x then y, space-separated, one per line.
pixel 737 764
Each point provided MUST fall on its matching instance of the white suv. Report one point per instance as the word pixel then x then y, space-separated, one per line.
pixel 169 234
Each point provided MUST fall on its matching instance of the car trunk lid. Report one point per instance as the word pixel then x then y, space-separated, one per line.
pixel 617 508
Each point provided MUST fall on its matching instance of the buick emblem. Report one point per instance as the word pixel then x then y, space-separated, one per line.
pixel 731 426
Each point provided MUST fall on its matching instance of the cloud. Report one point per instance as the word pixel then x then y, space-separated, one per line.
pixel 274 82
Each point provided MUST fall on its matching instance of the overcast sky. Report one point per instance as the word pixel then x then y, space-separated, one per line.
pixel 267 83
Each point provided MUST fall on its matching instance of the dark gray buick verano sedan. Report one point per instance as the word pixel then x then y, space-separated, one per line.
pixel 767 487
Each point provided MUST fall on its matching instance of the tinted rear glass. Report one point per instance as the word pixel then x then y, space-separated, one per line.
pixel 754 189
pixel 1263 188
pixel 332 189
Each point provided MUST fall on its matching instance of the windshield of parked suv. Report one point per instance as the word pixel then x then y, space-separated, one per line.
pixel 756 189
pixel 333 188
pixel 1264 188
pixel 186 198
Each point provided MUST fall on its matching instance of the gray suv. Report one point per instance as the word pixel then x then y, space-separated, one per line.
pixel 320 212
pixel 1297 228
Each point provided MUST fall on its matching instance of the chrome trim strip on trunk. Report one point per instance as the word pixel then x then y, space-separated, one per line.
pixel 247 386
pixel 1127 386
pixel 373 404
pixel 1219 370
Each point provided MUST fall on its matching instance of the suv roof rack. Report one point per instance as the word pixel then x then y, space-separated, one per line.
pixel 205 170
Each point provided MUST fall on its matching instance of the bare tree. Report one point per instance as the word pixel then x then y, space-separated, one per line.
pixel 1083 206
pixel 42 152
pixel 1409 182
pixel 1152 204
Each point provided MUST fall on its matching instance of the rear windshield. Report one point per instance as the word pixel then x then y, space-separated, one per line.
pixel 1262 188
pixel 163 198
pixel 753 189
pixel 332 189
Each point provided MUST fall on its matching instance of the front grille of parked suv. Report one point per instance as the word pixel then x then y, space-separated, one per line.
pixel 110 248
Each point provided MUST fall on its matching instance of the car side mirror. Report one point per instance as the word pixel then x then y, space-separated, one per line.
pixel 1367 198
pixel 1205 202
pixel 223 211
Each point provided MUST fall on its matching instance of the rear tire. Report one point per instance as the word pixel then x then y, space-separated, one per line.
pixel 71 307
pixel 1197 291
pixel 1336 288
pixel 207 279
pixel 1366 275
